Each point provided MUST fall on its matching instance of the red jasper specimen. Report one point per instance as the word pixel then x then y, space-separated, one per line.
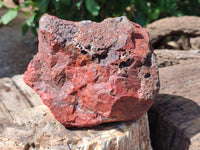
pixel 90 73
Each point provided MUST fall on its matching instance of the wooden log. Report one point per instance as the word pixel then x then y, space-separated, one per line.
pixel 188 25
pixel 36 128
pixel 175 119
pixel 15 95
pixel 28 92
pixel 167 57
pixel 5 117
pixel 11 100
pixel 11 97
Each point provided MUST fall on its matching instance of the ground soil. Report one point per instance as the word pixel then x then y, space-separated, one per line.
pixel 16 50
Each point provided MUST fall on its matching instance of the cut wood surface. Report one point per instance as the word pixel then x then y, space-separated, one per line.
pixel 31 96
pixel 11 97
pixel 15 95
pixel 36 128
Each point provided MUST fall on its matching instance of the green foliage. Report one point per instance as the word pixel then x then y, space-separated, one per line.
pixel 1 4
pixel 26 25
pixel 93 7
pixel 140 11
pixel 8 16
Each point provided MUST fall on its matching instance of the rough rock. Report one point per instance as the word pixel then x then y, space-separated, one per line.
pixel 187 25
pixel 168 57
pixel 89 73
pixel 174 118
pixel 36 128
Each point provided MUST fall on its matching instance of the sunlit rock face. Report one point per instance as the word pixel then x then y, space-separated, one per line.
pixel 90 73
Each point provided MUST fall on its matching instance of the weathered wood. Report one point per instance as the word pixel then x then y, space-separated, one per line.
pixel 14 96
pixel 183 79
pixel 167 57
pixel 37 128
pixel 174 119
pixel 29 93
pixel 195 142
pixel 11 97
pixel 5 117
pixel 188 25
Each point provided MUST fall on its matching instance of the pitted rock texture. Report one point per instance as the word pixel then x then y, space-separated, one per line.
pixel 90 73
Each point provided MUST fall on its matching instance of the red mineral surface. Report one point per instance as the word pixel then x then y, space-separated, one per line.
pixel 90 73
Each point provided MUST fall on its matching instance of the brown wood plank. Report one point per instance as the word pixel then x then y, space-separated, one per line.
pixel 11 97
pixel 29 93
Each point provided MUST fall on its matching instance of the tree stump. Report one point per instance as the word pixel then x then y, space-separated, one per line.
pixel 36 128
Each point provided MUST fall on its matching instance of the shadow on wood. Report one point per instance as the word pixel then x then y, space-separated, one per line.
pixel 174 123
